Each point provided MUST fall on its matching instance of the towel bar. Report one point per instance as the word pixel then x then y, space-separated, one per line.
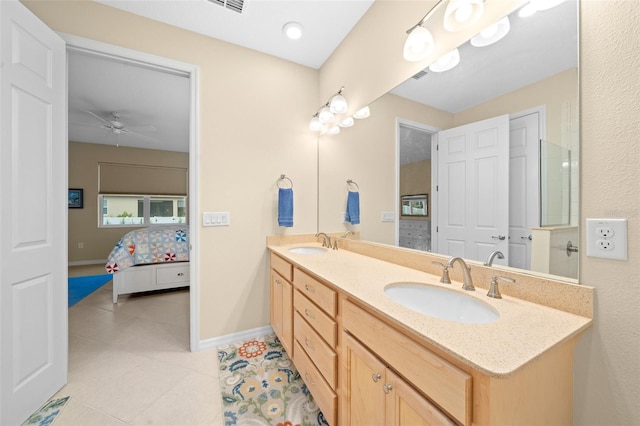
pixel 351 182
pixel 283 177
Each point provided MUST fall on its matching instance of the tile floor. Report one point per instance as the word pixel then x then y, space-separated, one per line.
pixel 129 364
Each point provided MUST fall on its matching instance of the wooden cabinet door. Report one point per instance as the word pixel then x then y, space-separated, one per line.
pixel 276 303
pixel 364 398
pixel 407 407
pixel 287 317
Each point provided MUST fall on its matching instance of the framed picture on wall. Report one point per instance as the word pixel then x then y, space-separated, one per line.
pixel 75 198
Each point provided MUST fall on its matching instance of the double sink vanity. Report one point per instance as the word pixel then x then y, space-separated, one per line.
pixel 378 339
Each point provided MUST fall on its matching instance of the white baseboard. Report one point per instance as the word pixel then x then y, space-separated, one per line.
pixel 234 338
pixel 87 262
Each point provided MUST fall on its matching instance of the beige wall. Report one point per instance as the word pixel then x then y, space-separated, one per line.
pixel 242 151
pixel 607 370
pixel 83 173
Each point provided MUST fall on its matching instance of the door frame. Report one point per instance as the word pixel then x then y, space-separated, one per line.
pixel 108 50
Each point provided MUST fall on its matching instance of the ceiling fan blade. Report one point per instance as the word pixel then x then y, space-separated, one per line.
pixel 149 138
pixel 99 126
pixel 108 123
pixel 142 128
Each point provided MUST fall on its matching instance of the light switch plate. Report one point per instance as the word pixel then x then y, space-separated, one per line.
pixel 388 217
pixel 215 219
pixel 607 238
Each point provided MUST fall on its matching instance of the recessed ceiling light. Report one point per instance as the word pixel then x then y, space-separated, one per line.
pixel 292 30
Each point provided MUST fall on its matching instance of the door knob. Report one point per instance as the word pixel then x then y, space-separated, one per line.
pixel 499 237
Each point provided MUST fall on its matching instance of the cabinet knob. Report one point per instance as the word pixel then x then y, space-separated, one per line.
pixel 307 379
pixel 375 377
pixel 309 288
pixel 387 388
pixel 180 274
pixel 309 314
pixel 277 281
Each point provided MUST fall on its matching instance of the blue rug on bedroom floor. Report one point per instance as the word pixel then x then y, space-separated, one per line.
pixel 81 287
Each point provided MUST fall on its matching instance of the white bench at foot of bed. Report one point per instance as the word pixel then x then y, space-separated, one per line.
pixel 158 276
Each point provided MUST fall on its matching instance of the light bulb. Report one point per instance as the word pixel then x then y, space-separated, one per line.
pixel 315 125
pixel 419 44
pixel 293 30
pixel 333 130
pixel 459 14
pixel 347 122
pixel 362 113
pixel 446 62
pixel 492 34
pixel 325 115
pixel 338 104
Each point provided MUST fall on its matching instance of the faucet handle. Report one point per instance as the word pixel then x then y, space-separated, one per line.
pixel 445 272
pixel 494 291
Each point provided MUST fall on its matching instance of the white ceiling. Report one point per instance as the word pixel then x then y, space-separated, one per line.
pixel 145 97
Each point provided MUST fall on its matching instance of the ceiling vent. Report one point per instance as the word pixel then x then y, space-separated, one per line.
pixel 235 5
pixel 419 74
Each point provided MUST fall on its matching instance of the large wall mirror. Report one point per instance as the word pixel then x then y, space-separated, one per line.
pixel 493 143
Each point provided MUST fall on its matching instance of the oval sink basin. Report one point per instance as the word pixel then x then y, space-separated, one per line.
pixel 441 303
pixel 308 250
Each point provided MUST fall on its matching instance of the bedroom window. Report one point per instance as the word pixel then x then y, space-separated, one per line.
pixel 120 211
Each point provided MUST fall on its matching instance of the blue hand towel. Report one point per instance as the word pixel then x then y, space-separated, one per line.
pixel 285 207
pixel 353 208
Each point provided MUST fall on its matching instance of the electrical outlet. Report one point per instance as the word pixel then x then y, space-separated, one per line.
pixel 604 231
pixel 606 245
pixel 607 238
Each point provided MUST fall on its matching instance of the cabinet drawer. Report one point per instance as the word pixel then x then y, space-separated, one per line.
pixel 317 292
pixel 324 325
pixel 444 383
pixel 321 391
pixel 173 274
pixel 281 266
pixel 322 355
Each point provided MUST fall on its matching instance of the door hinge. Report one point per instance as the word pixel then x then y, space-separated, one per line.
pixel 437 229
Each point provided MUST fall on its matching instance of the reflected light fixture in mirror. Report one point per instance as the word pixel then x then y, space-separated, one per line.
pixel 419 44
pixel 462 13
pixel 446 62
pixel 492 34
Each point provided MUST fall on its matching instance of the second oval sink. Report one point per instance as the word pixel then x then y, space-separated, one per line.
pixel 441 303
pixel 308 250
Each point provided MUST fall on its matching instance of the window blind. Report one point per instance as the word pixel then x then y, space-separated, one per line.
pixel 141 179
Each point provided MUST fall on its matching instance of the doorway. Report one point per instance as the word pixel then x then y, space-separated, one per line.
pixel 152 62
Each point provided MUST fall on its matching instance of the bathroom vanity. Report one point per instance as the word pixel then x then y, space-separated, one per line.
pixel 369 360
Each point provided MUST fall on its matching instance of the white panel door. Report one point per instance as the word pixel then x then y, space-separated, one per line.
pixel 33 213
pixel 524 187
pixel 473 195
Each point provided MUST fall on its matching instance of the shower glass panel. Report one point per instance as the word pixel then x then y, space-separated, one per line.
pixel 555 184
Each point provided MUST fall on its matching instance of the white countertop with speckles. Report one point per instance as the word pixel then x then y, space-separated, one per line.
pixel 522 333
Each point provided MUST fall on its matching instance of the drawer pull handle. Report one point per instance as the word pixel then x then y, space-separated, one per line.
pixel 309 345
pixel 180 274
pixel 375 377
pixel 309 288
pixel 387 388
pixel 309 314
pixel 308 380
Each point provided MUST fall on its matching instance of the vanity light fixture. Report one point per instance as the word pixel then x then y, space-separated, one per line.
pixel 446 62
pixel 459 14
pixel 332 115
pixel 492 34
pixel 325 115
pixel 347 122
pixel 293 30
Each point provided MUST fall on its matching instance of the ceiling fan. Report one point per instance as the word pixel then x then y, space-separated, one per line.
pixel 117 127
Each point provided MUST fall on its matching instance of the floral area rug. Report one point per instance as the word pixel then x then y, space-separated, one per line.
pixel 261 386
pixel 47 413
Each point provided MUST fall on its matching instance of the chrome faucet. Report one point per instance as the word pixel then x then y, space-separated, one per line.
pixel 326 240
pixel 492 256
pixel 468 282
